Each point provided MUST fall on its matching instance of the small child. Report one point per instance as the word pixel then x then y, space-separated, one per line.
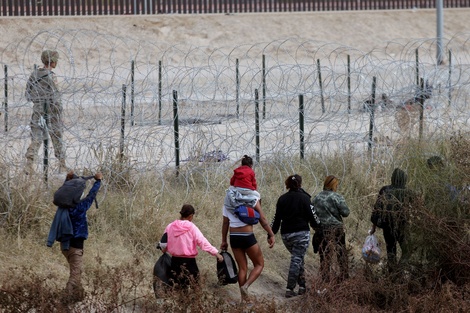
pixel 244 179
pixel 244 176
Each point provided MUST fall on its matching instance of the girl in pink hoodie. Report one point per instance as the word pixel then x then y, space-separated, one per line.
pixel 181 239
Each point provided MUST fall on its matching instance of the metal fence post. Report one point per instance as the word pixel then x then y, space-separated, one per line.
pixel 257 124
pixel 132 92
pixel 123 123
pixel 301 127
pixel 160 92
pixel 176 130
pixel 46 141
pixel 5 102
pixel 372 114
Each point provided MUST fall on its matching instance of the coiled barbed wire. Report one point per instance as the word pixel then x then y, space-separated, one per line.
pixel 216 108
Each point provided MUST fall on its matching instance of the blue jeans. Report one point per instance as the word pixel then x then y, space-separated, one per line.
pixel 297 244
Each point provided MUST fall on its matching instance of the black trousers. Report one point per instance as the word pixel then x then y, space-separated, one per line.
pixel 392 237
pixel 331 242
pixel 184 272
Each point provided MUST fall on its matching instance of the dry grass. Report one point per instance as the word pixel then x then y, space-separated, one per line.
pixel 120 253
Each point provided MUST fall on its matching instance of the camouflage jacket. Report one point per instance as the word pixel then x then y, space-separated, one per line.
pixel 42 86
pixel 331 208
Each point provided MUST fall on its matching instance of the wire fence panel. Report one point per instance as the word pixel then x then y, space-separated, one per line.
pixel 135 7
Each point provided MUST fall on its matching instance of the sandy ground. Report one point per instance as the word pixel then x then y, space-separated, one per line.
pixel 361 30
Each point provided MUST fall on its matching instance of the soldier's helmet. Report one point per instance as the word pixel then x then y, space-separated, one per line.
pixel 48 56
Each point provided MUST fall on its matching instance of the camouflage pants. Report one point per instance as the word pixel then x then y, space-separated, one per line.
pixel 297 244
pixel 74 287
pixel 39 133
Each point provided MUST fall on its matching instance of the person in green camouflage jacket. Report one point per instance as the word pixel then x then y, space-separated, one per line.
pixel 330 237
pixel 42 90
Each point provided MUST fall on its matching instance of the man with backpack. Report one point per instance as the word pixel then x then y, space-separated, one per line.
pixel 46 119
pixel 391 213
pixel 72 242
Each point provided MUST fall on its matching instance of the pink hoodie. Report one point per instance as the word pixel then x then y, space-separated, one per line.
pixel 183 239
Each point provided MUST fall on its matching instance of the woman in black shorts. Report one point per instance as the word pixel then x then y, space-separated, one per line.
pixel 243 244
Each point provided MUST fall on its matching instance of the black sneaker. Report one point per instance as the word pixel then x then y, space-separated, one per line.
pixel 302 290
pixel 290 293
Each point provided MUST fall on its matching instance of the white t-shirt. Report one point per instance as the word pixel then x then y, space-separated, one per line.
pixel 233 219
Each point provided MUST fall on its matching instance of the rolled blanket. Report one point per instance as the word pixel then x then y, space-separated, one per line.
pixel 236 196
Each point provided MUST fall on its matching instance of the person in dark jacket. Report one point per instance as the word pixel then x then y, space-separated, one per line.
pixel 391 213
pixel 294 214
pixel 74 255
pixel 330 237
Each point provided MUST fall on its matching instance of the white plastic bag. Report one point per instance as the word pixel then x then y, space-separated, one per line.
pixel 371 250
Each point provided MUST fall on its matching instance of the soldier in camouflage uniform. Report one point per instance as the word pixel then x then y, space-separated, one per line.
pixel 42 90
pixel 330 238
pixel 294 214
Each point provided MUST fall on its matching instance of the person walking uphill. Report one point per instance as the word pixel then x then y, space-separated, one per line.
pixel 294 214
pixel 42 90
pixel 181 239
pixel 70 227
pixel 243 243
pixel 330 236
pixel 391 213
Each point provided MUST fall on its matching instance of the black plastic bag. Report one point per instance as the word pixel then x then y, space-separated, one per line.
pixel 162 268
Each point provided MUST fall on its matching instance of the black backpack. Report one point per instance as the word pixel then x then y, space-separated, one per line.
pixel 227 272
pixel 70 193
pixel 32 86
